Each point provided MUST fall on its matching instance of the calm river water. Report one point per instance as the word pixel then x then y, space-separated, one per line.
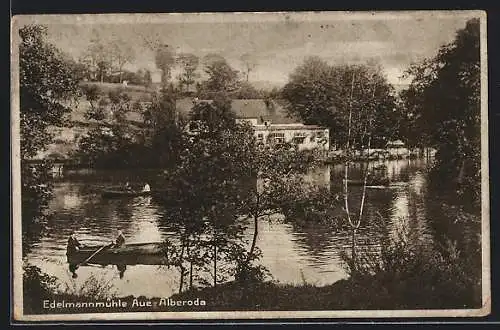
pixel 293 253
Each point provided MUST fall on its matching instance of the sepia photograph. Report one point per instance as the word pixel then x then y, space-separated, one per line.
pixel 249 166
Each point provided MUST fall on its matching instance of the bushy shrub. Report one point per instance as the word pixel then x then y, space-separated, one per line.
pixel 410 275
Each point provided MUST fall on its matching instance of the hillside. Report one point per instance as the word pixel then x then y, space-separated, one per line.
pixel 136 92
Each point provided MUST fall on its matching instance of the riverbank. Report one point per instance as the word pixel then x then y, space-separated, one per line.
pixel 364 293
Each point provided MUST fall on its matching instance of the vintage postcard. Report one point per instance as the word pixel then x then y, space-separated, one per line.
pixel 250 166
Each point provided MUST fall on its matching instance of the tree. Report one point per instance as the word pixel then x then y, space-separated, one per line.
pixel 97 58
pixel 164 59
pixel 321 94
pixel 211 58
pixel 221 77
pixel 189 64
pixel 444 99
pixel 249 64
pixel 121 53
pixel 46 86
pixel 247 91
pixel 221 180
pixel 206 179
pixel 147 78
pixel 164 128
pixel 93 95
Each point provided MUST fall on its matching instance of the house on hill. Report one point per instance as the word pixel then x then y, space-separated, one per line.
pixel 272 124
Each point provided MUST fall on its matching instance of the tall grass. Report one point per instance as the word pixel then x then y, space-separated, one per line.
pixel 407 274
pixel 38 286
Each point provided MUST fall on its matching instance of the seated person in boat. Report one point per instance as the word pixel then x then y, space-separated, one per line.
pixel 127 186
pixel 120 239
pixel 146 188
pixel 73 244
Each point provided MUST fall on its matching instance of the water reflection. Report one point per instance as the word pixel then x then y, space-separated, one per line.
pixel 294 252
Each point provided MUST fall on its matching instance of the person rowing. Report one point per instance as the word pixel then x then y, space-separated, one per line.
pixel 120 239
pixel 73 244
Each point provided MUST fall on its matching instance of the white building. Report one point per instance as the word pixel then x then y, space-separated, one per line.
pixel 306 137
pixel 273 125
pixel 397 149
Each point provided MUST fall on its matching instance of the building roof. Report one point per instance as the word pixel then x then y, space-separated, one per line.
pixel 263 111
pixel 258 109
pixel 248 108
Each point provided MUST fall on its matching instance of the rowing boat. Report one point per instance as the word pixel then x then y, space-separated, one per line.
pixel 124 193
pixel 128 254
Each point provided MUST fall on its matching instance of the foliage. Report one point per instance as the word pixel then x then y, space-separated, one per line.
pixel 221 179
pixel 247 91
pixel 164 59
pixel 97 59
pixel 118 143
pixel 110 144
pixel 37 286
pixel 443 101
pixel 164 128
pixel 108 147
pixel 441 275
pixel 121 54
pixel 105 61
pixel 221 77
pixel 97 109
pixel 189 64
pixel 322 94
pixel 249 64
pixel 36 192
pixel 97 289
pixel 47 85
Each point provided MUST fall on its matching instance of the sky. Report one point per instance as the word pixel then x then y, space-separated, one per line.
pixel 277 42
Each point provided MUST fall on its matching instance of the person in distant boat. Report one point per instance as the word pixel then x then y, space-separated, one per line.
pixel 120 239
pixel 73 244
pixel 127 186
pixel 146 188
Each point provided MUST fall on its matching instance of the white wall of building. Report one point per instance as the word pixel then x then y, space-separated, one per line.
pixel 307 138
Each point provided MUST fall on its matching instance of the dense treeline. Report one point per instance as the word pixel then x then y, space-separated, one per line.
pixel 442 107
pixel 344 97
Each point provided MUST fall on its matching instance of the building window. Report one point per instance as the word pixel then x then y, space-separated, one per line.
pixel 276 138
pixel 298 138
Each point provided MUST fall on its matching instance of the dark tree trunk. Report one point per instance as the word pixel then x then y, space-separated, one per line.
pixel 354 262
pixel 254 239
pixel 215 265
pixel 183 272
pixel 191 275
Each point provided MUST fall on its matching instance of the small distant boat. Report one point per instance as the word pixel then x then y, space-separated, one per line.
pixel 127 254
pixel 369 183
pixel 124 193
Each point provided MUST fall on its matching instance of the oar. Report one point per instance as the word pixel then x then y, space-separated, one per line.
pixel 93 254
